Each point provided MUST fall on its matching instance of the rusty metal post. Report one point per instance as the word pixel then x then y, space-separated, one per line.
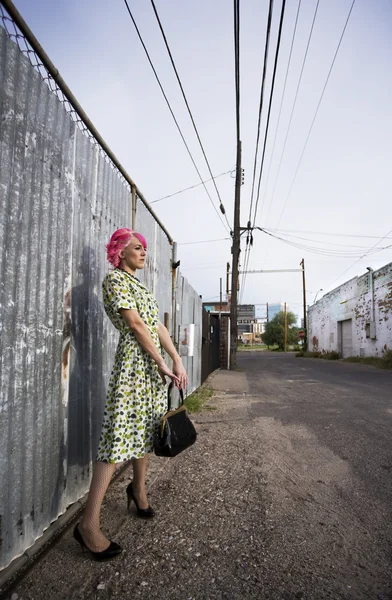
pixel 133 193
pixel 302 263
pixel 285 327
pixel 174 266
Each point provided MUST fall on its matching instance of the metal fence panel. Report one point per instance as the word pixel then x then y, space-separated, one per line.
pixel 189 310
pixel 36 139
pixel 60 201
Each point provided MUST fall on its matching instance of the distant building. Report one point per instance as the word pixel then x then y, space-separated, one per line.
pixel 274 309
pixel 246 311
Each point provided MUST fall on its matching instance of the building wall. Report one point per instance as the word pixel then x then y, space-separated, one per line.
pixel 274 309
pixel 352 300
pixel 246 311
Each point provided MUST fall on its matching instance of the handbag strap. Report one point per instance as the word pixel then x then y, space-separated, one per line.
pixel 169 396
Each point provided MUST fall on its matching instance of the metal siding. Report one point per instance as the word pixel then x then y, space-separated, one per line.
pixel 61 200
pixel 34 140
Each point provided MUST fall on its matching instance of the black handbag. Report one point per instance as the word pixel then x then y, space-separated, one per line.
pixel 176 430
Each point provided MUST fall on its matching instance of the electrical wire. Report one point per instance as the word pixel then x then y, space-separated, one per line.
pixel 319 241
pixel 237 68
pixel 283 94
pixel 171 110
pixel 366 254
pixel 203 241
pixel 293 107
pixel 317 109
pixel 325 251
pixel 266 48
pixel 345 235
pixel 221 207
pixel 191 187
pixel 282 13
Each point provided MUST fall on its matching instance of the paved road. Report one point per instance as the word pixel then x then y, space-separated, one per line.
pixel 337 420
pixel 286 495
pixel 347 406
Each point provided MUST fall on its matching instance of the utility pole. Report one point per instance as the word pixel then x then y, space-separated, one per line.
pixel 236 254
pixel 220 294
pixel 285 327
pixel 227 281
pixel 267 313
pixel 302 263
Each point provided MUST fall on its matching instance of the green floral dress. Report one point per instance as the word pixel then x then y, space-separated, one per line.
pixel 136 398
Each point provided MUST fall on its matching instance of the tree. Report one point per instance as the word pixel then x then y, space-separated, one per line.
pixel 274 331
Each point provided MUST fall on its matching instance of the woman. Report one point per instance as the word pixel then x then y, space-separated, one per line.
pixel 136 398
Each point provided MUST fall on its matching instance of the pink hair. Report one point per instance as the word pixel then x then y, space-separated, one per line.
pixel 120 240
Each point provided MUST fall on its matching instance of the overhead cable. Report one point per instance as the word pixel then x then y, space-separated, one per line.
pixel 203 241
pixel 366 254
pixel 282 13
pixel 171 110
pixel 221 207
pixel 293 108
pixel 317 109
pixel 332 234
pixel 283 94
pixel 237 66
pixel 266 47
pixel 328 252
pixel 191 187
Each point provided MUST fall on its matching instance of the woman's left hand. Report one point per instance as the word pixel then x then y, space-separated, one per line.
pixel 179 371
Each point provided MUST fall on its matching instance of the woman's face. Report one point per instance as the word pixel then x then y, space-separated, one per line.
pixel 134 255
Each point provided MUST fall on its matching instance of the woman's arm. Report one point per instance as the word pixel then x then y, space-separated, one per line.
pixel 178 368
pixel 143 336
pixel 165 339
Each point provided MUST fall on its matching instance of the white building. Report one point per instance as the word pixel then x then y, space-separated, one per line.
pixel 355 319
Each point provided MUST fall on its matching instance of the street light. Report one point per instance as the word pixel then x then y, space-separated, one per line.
pixel 320 290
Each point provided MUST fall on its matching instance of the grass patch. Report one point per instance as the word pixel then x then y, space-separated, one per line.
pixel 248 347
pixel 197 400
pixel 384 362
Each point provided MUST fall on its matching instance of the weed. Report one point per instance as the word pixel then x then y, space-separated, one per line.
pixel 195 401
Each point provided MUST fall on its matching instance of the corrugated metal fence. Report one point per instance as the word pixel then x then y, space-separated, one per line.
pixel 61 199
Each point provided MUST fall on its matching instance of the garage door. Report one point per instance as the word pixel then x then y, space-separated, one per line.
pixel 347 338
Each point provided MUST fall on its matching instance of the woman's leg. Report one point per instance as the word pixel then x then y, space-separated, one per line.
pixel 89 526
pixel 139 480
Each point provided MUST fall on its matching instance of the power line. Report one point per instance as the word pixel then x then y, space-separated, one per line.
pixel 266 48
pixel 294 105
pixel 282 13
pixel 327 233
pixel 319 241
pixel 283 94
pixel 221 207
pixel 203 241
pixel 237 66
pixel 324 251
pixel 263 76
pixel 170 108
pixel 191 187
pixel 270 104
pixel 317 109
pixel 366 254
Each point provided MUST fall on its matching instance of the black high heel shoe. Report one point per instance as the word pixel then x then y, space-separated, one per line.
pixel 144 513
pixel 111 552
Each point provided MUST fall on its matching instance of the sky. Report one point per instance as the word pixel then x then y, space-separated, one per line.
pixel 331 195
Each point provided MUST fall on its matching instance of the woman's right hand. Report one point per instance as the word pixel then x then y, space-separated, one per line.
pixel 164 372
